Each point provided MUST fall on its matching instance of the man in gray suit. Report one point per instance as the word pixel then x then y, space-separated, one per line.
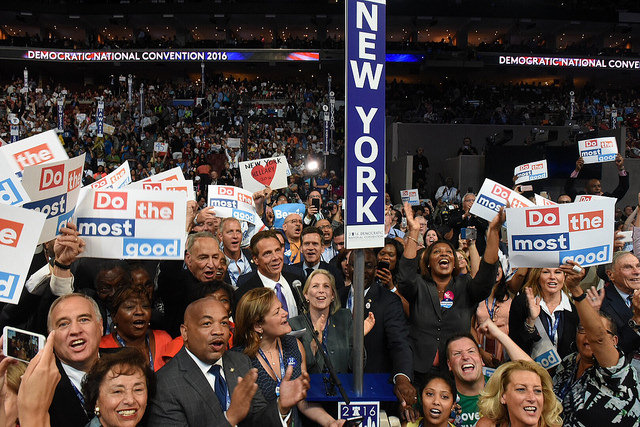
pixel 205 385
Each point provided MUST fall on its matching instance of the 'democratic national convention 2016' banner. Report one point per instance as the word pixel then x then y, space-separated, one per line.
pixel 549 236
pixel 365 123
pixel 132 224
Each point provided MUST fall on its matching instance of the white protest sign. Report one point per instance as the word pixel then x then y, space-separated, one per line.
pixel 598 150
pixel 549 236
pixel 54 189
pixel 174 174
pixel 12 192
pixel 120 177
pixel 42 148
pixel 161 147
pixel 587 198
pixel 229 201
pixel 233 142
pixel 493 196
pixel 133 224
pixel 410 196
pixel 19 232
pixel 185 186
pixel 108 129
pixel 531 171
pixel 261 173
pixel 543 201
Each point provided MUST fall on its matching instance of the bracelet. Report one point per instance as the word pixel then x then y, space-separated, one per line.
pixel 580 297
pixel 394 289
pixel 530 329
pixel 62 266
pixel 415 240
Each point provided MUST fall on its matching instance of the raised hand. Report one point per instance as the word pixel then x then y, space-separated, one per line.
pixel 242 396
pixel 369 323
pixel 292 391
pixel 412 224
pixel 595 297
pixel 68 245
pixel 534 304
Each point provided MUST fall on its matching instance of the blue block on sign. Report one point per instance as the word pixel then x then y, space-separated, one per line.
pixel 151 248
pixel 588 256
pixel 8 285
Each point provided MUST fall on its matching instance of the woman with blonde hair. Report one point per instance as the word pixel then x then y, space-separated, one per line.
pixel 519 394
pixel 544 307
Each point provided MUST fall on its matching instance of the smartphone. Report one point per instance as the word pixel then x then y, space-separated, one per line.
pixel 383 264
pixel 468 233
pixel 316 204
pixel 525 188
pixel 20 344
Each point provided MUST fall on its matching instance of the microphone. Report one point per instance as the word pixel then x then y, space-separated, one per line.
pixel 296 286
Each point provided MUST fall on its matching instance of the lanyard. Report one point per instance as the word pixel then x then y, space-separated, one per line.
pixel 124 344
pixel 552 329
pixel 282 369
pixel 78 393
pixel 493 308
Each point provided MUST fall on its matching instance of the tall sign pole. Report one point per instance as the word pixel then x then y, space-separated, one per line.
pixel 364 142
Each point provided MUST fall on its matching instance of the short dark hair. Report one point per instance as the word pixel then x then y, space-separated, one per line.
pixel 339 231
pixel 311 230
pixel 261 235
pixel 424 258
pixel 442 375
pixel 205 289
pixel 125 361
pixel 125 292
pixel 455 337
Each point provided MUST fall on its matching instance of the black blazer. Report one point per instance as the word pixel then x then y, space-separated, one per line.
pixel 66 409
pixel 185 397
pixel 298 269
pixel 616 308
pixel 387 345
pixel 249 281
pixel 525 340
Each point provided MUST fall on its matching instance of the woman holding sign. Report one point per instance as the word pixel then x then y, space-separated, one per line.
pixel 442 301
pixel 543 314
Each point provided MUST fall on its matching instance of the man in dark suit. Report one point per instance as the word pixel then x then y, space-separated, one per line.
pixel 268 255
pixel 78 325
pixel 238 259
pixel 593 186
pixel 624 273
pixel 205 385
pixel 179 281
pixel 387 344
pixel 311 254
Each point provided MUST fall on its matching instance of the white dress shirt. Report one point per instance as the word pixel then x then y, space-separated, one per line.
pixel 286 290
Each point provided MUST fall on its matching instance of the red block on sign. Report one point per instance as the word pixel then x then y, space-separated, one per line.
pixel 112 200
pixel 543 217
pixel 156 186
pixel 592 143
pixel 33 156
pixel 75 179
pixel 586 221
pixel 10 232
pixel 154 210
pixel 51 177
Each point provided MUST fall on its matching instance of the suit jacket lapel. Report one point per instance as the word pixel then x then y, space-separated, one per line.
pixel 617 303
pixel 435 299
pixel 194 376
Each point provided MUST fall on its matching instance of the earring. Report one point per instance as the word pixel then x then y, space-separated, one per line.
pixel 96 411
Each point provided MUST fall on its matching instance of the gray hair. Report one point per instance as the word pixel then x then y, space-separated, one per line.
pixel 191 239
pixel 93 303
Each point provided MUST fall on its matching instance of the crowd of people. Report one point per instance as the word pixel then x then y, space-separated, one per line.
pixel 223 336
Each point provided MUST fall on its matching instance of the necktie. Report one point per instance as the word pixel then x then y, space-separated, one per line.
pixel 281 297
pixel 309 270
pixel 221 386
pixel 629 300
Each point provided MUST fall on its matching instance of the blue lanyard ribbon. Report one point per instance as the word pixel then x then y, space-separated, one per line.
pixel 124 344
pixel 282 368
pixel 491 310
pixel 552 329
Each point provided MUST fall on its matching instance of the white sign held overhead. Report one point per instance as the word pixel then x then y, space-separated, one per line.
pixel 598 150
pixel 531 171
pixel 184 186
pixel 549 236
pixel 119 178
pixel 125 224
pixel 174 174
pixel 54 189
pixel 41 148
pixel 492 196
pixel 19 232
pixel 261 173
pixel 12 192
pixel 410 196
